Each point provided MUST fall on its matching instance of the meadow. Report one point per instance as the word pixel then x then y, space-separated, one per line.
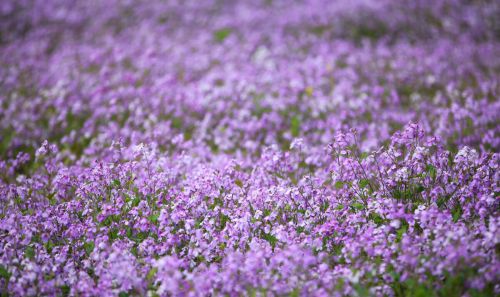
pixel 249 148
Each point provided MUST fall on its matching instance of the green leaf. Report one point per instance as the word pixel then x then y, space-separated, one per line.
pixel 134 251
pixel 419 188
pixel 89 247
pixel 456 212
pixel 136 201
pixel 270 238
pixel 295 126
pixel 309 91
pixel 113 234
pixel 141 236
pixel 223 220
pixel 49 246
pixel 152 273
pixel 401 231
pixel 29 252
pixel 239 183
pixel 441 201
pixel 7 136
pixel 358 206
pixel 376 218
pixel 176 123
pixel 361 290
pixel 4 273
pixel 324 206
pixel 252 292
pixel 339 185
pixel 221 34
pixel 116 183
pixel 364 183
pixel 295 293
pixel 65 289
pixel 154 218
pixel 431 170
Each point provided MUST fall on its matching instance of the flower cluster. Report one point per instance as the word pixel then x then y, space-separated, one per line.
pixel 249 148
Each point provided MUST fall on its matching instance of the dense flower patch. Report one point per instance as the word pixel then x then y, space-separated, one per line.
pixel 255 148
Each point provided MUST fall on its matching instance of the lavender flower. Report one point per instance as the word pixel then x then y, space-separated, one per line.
pixel 149 148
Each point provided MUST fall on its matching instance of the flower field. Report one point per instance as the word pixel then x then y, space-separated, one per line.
pixel 250 148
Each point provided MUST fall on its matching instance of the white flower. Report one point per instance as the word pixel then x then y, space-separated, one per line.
pixel 465 155
pixel 395 224
pixel 297 143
